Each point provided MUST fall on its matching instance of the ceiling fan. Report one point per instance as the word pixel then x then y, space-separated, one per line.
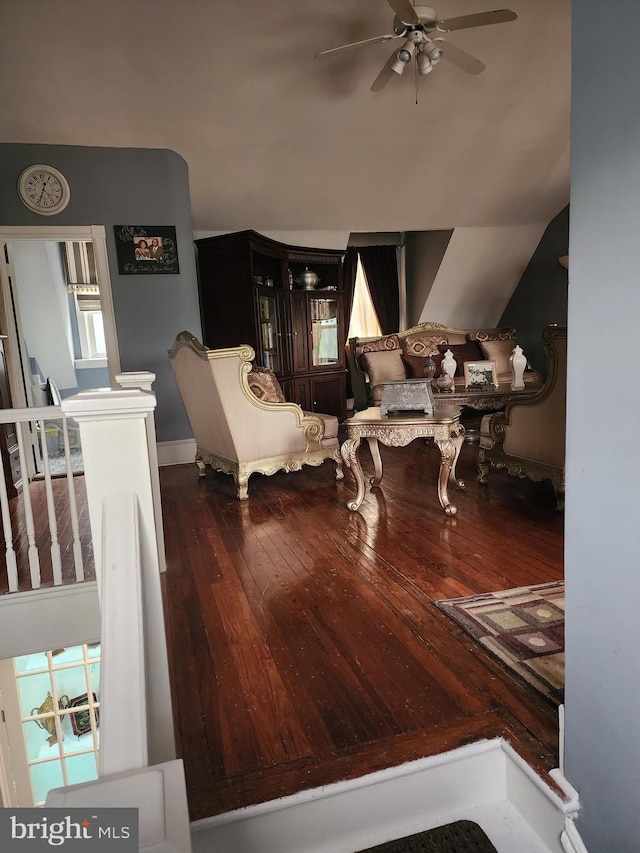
pixel 416 25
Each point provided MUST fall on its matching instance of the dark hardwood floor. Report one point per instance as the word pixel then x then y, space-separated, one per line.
pixel 305 647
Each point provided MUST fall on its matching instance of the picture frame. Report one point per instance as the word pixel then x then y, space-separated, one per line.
pixel 146 249
pixel 480 375
pixel 80 720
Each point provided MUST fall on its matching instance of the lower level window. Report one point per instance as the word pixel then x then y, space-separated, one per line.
pixel 59 696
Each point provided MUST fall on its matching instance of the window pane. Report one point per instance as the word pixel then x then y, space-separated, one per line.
pixel 44 777
pixel 364 321
pixel 81 768
pixel 37 739
pixel 100 344
pixel 33 691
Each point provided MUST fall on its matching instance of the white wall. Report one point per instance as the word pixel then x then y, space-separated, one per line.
pixel 480 270
pixel 603 466
pixel 44 309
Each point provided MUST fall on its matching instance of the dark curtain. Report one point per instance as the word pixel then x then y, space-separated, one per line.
pixel 348 286
pixel 349 282
pixel 381 269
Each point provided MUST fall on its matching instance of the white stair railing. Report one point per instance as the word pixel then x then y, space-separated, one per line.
pixel 23 518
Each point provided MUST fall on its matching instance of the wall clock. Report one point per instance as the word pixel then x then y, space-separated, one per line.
pixel 43 189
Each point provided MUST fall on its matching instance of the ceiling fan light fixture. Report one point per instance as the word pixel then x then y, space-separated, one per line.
pixel 433 51
pixel 424 64
pixel 403 57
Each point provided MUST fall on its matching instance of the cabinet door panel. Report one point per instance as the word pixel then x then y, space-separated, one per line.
pixel 302 394
pixel 299 332
pixel 329 394
pixel 326 332
pixel 270 324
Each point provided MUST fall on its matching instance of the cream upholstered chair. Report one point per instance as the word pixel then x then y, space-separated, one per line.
pixel 528 437
pixel 236 432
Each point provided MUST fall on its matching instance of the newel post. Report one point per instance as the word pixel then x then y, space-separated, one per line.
pixel 114 437
pixel 144 379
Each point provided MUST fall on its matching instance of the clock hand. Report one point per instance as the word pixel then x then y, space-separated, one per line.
pixel 43 189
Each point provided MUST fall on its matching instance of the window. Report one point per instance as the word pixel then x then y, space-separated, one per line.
pixel 364 320
pixel 59 700
pixel 90 327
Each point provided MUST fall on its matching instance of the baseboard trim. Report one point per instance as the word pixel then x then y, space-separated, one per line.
pixel 392 803
pixel 176 452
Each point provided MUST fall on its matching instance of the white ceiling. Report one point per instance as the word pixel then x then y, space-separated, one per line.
pixel 276 139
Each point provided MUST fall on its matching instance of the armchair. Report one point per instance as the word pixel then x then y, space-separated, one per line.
pixel 528 437
pixel 235 431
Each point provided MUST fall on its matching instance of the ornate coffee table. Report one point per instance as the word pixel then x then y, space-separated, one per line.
pixel 491 399
pixel 398 430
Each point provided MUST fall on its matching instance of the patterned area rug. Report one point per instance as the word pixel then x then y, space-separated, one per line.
pixel 522 627
pixel 463 836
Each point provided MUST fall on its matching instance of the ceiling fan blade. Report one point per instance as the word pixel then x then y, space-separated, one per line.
pixel 374 40
pixel 404 11
pixel 385 75
pixel 461 58
pixel 481 19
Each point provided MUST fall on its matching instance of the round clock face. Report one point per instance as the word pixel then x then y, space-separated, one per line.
pixel 44 190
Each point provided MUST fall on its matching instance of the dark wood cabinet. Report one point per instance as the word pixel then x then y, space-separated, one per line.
pixel 250 293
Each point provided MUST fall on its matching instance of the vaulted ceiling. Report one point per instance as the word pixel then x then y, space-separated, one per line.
pixel 277 139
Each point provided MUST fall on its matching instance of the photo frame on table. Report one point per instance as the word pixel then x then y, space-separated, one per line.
pixel 480 375
pixel 146 249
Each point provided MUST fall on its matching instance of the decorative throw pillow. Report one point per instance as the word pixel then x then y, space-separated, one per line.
pixel 463 352
pixel 422 344
pixel 500 352
pixel 387 342
pixel 508 333
pixel 414 365
pixel 264 385
pixel 384 366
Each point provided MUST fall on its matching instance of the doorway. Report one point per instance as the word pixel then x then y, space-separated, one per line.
pixel 56 311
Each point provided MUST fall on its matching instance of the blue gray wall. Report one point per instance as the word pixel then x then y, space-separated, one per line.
pixel 541 295
pixel 123 186
pixel 603 466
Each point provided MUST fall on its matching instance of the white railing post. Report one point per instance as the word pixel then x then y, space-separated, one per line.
pixel 144 379
pixel 123 725
pixel 113 432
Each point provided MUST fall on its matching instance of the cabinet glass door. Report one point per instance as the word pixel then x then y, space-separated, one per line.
pixel 324 331
pixel 270 339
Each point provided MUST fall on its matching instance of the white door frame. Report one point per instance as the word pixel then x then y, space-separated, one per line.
pixel 56 234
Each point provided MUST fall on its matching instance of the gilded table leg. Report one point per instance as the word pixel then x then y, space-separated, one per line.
pixel 374 447
pixel 457 435
pixel 349 452
pixel 448 456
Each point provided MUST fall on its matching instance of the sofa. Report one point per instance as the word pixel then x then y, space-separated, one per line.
pixel 374 361
pixel 240 420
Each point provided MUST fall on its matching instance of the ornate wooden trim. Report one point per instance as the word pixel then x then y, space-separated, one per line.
pixel 241 471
